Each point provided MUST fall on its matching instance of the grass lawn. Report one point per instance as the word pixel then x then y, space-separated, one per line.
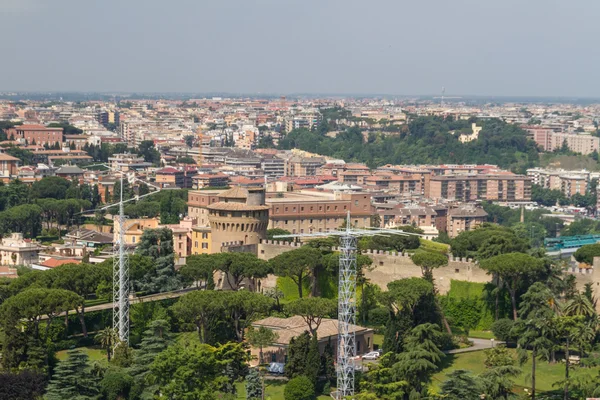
pixel 546 374
pixel 94 353
pixel 378 339
pixel 481 335
pixel 327 286
pixel 430 245
pixel 273 390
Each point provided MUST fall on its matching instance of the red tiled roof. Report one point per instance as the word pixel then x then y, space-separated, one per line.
pixel 53 262
pixel 168 170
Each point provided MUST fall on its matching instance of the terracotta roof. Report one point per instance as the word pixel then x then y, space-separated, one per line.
pixel 168 170
pixel 288 328
pixel 54 262
pixel 237 192
pixel 7 157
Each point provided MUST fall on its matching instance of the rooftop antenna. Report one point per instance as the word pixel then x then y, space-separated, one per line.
pixel 346 347
pixel 443 96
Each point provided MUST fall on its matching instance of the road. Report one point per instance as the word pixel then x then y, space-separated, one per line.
pixel 478 344
pixel 153 297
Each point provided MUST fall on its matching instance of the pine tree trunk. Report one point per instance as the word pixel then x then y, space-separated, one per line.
pixel 513 300
pixel 533 357
pixel 566 396
pixel 81 315
pixel 315 287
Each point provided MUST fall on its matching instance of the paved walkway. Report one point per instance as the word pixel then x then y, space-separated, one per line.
pixel 478 344
pixel 135 300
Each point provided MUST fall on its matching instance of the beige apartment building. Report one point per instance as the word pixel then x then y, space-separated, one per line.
pixel 549 140
pixel 584 144
pixel 413 184
pixel 303 166
pixel 506 187
pixel 465 218
pixel 568 182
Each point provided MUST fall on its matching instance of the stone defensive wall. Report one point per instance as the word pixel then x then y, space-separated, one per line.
pixel 390 265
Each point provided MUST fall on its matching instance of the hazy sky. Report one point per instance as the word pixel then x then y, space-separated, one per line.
pixel 480 47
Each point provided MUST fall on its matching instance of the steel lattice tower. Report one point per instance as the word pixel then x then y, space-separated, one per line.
pixel 346 316
pixel 121 278
pixel 346 346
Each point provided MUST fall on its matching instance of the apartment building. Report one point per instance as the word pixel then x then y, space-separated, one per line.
pixel 303 166
pixel 542 136
pixel 15 250
pixel 502 187
pixel 398 215
pixel 464 218
pixel 549 140
pixel 273 166
pixel 413 184
pixel 201 240
pixel 8 167
pixel 127 161
pixel 338 167
pixel 568 182
pixel 310 211
pixel 36 134
pixel 307 120
pixel 170 177
pixel 210 181
pixel 584 144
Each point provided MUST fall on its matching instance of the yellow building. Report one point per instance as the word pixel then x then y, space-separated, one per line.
pixel 201 240
pixel 135 228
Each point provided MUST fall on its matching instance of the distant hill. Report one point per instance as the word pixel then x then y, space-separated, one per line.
pixel 425 140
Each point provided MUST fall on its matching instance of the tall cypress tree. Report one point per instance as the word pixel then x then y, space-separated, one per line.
pixel 313 360
pixel 327 363
pixel 297 354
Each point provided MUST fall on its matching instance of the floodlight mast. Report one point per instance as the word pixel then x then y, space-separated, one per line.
pixel 346 345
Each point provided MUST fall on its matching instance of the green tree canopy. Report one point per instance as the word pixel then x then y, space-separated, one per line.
pixel 312 310
pixel 296 264
pixel 512 268
pixel 586 253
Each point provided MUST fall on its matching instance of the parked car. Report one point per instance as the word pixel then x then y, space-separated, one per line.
pixel 374 355
pixel 275 368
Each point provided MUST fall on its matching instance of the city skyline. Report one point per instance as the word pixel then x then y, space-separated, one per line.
pixel 499 49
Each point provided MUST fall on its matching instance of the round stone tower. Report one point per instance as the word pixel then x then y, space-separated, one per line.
pixel 239 217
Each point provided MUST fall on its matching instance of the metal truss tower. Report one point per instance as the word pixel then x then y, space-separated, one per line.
pixel 121 278
pixel 346 315
pixel 120 257
pixel 346 346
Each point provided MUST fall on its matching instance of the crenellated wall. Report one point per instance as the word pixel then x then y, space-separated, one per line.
pixel 390 265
